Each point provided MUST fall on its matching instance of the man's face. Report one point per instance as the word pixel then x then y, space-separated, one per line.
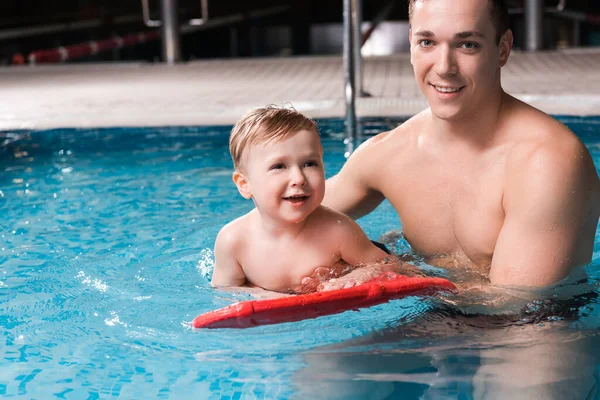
pixel 455 56
pixel 286 179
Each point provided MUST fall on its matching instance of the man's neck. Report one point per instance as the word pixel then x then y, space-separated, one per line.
pixel 478 128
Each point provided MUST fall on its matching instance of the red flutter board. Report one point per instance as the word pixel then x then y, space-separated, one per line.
pixel 386 287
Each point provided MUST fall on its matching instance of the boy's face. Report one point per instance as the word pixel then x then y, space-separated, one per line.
pixel 455 55
pixel 286 179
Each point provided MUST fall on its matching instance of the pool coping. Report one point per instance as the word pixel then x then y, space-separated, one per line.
pixel 218 92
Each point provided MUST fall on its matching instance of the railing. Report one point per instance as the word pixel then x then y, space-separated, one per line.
pixel 534 12
pixel 81 50
pixel 351 24
pixel 170 44
pixel 354 39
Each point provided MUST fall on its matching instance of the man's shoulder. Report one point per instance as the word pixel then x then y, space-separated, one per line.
pixel 396 139
pixel 403 131
pixel 535 135
pixel 545 150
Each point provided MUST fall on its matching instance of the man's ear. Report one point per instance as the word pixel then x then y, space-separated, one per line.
pixel 505 45
pixel 242 184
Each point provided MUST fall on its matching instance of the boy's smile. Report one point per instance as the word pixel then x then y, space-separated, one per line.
pixel 297 200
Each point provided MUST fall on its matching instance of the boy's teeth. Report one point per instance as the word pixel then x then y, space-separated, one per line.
pixel 447 90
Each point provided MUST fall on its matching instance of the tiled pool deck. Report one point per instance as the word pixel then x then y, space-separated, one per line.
pixel 220 91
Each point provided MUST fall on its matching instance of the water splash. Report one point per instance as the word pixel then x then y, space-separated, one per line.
pixel 206 264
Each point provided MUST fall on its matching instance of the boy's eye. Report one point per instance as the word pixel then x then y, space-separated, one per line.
pixel 311 163
pixel 277 166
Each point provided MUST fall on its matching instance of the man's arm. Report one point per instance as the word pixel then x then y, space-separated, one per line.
pixel 547 200
pixel 227 271
pixel 350 191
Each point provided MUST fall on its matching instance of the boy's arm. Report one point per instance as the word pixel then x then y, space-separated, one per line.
pixel 354 245
pixel 227 271
pixel 357 250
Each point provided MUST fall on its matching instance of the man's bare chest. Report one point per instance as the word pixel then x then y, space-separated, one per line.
pixel 449 211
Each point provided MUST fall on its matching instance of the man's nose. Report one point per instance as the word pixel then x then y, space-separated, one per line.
pixel 298 178
pixel 446 63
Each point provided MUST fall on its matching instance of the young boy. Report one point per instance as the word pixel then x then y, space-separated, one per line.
pixel 278 160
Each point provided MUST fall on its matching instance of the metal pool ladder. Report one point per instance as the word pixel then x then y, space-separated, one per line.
pixel 352 69
pixel 169 26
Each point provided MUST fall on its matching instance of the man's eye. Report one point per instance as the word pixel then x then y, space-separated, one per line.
pixel 425 43
pixel 469 45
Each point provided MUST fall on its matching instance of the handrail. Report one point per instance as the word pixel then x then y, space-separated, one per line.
pixel 357 45
pixel 233 18
pixel 201 21
pixel 146 16
pixel 349 89
pixel 380 17
pixel 80 50
pixel 578 16
pixel 156 23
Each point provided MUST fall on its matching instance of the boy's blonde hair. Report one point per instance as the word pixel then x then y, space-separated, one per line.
pixel 265 124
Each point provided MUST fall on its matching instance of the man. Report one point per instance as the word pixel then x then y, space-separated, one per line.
pixel 487 185
pixel 479 180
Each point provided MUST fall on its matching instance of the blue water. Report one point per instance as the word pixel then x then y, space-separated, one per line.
pixel 106 243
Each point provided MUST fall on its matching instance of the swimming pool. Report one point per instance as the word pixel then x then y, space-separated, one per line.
pixel 105 256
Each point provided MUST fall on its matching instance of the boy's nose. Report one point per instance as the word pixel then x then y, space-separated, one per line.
pixel 298 178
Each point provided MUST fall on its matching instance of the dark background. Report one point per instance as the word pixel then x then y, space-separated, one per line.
pixel 248 38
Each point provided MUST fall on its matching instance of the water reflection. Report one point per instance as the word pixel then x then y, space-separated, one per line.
pixel 548 350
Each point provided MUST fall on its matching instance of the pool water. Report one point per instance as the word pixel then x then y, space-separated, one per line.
pixel 106 243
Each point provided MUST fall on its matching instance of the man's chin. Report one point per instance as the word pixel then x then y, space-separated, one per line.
pixel 447 114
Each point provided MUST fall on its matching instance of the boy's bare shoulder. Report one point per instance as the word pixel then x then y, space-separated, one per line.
pixel 235 232
pixel 329 221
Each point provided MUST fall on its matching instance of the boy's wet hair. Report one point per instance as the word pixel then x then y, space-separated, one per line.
pixel 266 124
pixel 498 16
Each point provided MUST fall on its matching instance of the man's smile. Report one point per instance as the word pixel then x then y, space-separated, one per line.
pixel 447 89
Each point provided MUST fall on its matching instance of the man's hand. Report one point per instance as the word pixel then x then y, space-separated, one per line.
pixel 324 279
pixel 354 278
pixel 311 283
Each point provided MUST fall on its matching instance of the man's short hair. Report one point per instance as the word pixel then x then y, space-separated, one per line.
pixel 266 124
pixel 498 16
